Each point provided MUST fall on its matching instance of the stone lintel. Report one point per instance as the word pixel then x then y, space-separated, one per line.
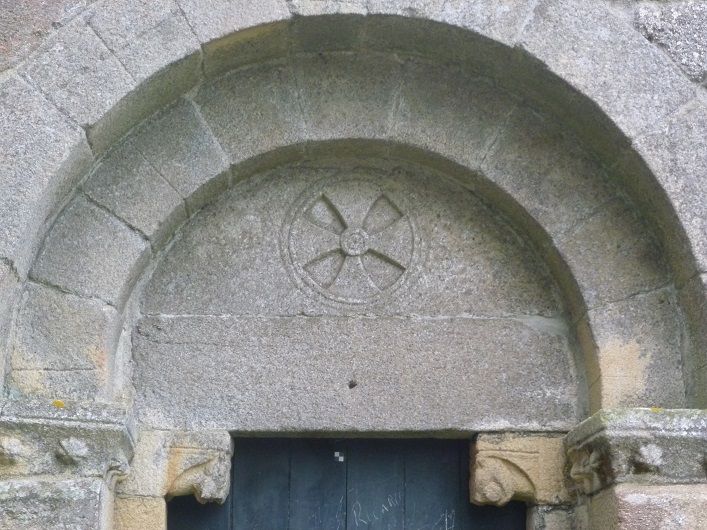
pixel 643 446
pixel 523 467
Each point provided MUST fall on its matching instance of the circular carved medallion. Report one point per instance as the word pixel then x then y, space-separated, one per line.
pixel 351 239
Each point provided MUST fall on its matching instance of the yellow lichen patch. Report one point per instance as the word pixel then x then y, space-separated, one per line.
pixel 623 372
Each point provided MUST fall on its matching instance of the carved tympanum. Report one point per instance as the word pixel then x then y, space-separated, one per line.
pixel 525 468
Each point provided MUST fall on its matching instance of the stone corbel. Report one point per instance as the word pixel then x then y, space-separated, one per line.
pixel 172 463
pixel 507 467
pixel 200 464
pixel 640 446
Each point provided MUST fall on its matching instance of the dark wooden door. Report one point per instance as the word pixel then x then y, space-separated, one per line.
pixel 327 484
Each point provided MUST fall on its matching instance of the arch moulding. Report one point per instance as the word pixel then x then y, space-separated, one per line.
pixel 115 156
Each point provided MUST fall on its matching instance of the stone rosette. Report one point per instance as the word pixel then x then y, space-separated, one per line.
pixel 351 238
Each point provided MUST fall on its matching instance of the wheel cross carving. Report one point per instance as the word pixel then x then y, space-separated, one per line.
pixel 350 240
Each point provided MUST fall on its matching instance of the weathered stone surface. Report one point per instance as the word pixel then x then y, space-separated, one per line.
pixel 43 154
pixel 91 253
pixel 214 19
pixel 500 21
pixel 237 32
pixel 180 463
pixel 61 384
pixel 693 298
pixel 448 245
pixel 347 97
pixel 613 255
pixel 636 507
pixel 317 34
pixel 128 185
pixel 428 112
pixel 145 36
pixel 672 151
pixel 639 349
pixel 646 446
pixel 139 513
pixel 507 467
pixel 252 111
pixel 295 374
pixel 540 166
pixel 680 29
pixel 78 73
pixel 200 464
pixel 179 145
pixel 317 7
pixel 88 82
pixel 62 437
pixel 41 504
pixel 23 25
pixel 9 296
pixel 552 518
pixel 410 8
pixel 59 331
pixel 634 97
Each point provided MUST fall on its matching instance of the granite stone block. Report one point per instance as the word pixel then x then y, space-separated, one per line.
pixel 145 36
pixel 345 96
pixel 238 32
pixel 58 384
pixel 639 349
pixel 128 185
pixel 40 503
pixel 43 155
pixel 448 114
pixel 91 253
pixel 60 331
pixel 252 111
pixel 180 146
pixel 634 94
pixel 669 148
pixel 613 255
pixel 538 164
pixel 79 74
pixel 270 374
pixel 679 28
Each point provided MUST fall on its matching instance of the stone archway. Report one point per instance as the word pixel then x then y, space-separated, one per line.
pixel 621 250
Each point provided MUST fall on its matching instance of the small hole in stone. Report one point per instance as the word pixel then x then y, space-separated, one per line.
pixel 353 383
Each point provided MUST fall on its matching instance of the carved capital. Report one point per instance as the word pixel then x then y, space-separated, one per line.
pixel 83 439
pixel 517 467
pixel 643 446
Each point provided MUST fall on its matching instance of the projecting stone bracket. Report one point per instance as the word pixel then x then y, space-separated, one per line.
pixel 507 467
pixel 640 446
pixel 170 464
pixel 201 465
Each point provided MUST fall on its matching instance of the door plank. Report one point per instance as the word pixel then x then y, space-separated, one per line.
pixel 376 485
pixel 318 485
pixel 260 492
pixel 185 513
pixel 433 496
